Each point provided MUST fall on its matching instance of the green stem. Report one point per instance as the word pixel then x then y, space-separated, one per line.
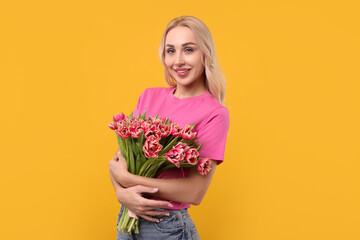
pixel 131 225
pixel 137 227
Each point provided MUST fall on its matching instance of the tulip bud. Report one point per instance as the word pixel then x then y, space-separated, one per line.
pixel 118 117
pixel 203 166
pixel 112 126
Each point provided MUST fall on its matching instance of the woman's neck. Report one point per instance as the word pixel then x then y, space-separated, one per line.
pixel 195 89
pixel 184 92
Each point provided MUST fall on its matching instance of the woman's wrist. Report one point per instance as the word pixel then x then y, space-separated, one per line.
pixel 120 194
pixel 123 177
pixel 126 179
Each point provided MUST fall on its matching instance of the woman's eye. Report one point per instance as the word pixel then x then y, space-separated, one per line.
pixel 189 50
pixel 170 51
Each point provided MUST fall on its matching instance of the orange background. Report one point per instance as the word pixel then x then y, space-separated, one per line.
pixel 291 168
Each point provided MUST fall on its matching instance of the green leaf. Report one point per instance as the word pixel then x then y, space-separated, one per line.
pixel 141 137
pixel 122 145
pixel 142 160
pixel 144 167
pixel 192 126
pixel 140 146
pixel 162 141
pixel 144 115
pixel 194 145
pixel 169 146
pixel 127 154
pixel 131 158
pixel 136 154
pixel 199 147
pixel 190 141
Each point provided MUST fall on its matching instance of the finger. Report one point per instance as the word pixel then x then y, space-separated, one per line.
pixel 157 213
pixel 144 189
pixel 117 151
pixel 150 218
pixel 112 162
pixel 114 158
pixel 120 156
pixel 154 204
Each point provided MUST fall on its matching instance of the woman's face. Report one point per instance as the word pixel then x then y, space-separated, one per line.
pixel 183 56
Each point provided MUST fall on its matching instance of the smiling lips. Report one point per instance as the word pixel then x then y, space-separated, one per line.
pixel 182 71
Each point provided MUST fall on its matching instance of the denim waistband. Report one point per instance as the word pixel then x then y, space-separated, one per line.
pixel 179 213
pixel 178 223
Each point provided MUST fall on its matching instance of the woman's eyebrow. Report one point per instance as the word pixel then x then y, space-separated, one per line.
pixel 185 44
pixel 188 43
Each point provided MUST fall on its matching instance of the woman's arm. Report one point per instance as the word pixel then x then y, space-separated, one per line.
pixel 190 190
pixel 132 198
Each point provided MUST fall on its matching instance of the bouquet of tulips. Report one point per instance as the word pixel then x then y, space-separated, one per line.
pixel 152 145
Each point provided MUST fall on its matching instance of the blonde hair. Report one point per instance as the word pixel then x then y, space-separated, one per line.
pixel 214 79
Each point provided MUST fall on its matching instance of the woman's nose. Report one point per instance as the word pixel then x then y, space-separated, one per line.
pixel 179 59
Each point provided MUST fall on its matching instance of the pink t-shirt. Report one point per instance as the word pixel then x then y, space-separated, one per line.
pixel 210 117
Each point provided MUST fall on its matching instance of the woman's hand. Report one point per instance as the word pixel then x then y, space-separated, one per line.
pixel 132 198
pixel 118 167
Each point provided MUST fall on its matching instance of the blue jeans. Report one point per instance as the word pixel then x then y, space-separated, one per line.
pixel 178 225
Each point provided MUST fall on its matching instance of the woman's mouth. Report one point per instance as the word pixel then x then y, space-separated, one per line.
pixel 182 72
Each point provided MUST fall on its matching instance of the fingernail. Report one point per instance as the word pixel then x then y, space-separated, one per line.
pixel 170 205
pixel 161 219
pixel 157 220
pixel 167 214
pixel 155 189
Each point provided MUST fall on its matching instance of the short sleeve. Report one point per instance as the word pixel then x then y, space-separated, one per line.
pixel 213 134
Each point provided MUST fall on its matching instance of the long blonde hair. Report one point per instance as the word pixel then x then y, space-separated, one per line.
pixel 215 81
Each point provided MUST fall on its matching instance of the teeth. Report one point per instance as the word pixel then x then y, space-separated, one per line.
pixel 182 71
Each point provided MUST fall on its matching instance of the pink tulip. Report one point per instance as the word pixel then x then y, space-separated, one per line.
pixel 121 124
pixel 165 130
pixel 187 134
pixel 123 132
pixel 153 127
pixel 175 156
pixel 112 126
pixel 135 119
pixel 155 121
pixel 146 125
pixel 152 148
pixel 164 119
pixel 177 153
pixel 183 147
pixel 118 117
pixel 203 166
pixel 175 130
pixel 135 129
pixel 152 133
pixel 191 156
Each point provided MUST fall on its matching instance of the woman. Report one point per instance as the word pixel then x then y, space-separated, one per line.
pixel 196 95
